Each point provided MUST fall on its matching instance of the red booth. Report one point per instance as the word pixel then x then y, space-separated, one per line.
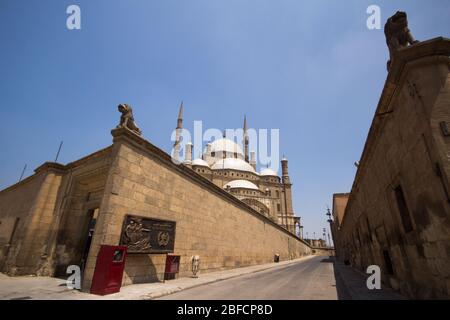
pixel 172 266
pixel 109 270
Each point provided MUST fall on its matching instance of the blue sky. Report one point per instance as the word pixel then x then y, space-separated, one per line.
pixel 310 68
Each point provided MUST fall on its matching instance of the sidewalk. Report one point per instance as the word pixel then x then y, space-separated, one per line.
pixel 351 285
pixel 47 288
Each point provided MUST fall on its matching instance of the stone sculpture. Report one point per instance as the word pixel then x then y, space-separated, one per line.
pixel 127 119
pixel 397 34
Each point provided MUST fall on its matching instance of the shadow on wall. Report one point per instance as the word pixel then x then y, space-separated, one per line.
pixel 140 268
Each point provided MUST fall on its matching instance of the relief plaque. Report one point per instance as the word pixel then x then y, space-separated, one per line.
pixel 147 235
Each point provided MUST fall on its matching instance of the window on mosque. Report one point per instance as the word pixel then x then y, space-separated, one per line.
pixel 213 154
pixel 278 207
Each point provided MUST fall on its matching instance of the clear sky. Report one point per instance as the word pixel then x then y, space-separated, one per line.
pixel 310 68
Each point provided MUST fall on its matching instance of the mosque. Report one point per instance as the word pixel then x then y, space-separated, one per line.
pixel 225 163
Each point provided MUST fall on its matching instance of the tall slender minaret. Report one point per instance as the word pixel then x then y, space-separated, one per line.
pixel 288 215
pixel 188 153
pixel 176 145
pixel 253 159
pixel 245 138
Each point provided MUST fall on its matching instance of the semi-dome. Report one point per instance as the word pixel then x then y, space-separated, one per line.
pixel 268 172
pixel 234 164
pixel 226 145
pixel 200 162
pixel 244 184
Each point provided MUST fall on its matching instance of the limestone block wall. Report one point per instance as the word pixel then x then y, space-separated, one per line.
pixel 209 222
pixel 30 203
pixel 43 218
pixel 406 149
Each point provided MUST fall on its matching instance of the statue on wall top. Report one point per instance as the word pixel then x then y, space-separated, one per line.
pixel 397 34
pixel 127 119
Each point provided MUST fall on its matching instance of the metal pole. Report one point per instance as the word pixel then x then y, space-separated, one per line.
pixel 23 171
pixel 59 149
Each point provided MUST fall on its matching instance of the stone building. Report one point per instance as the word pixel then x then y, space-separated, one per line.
pixel 230 167
pixel 62 214
pixel 397 215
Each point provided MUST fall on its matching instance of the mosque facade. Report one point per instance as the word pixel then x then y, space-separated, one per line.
pixel 234 169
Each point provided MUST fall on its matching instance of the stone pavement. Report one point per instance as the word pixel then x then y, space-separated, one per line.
pixel 43 288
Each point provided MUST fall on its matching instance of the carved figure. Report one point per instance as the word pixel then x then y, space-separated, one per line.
pixel 397 34
pixel 127 119
pixel 195 265
pixel 136 236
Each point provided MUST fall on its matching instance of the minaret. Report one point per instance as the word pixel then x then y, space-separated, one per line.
pixel 176 145
pixel 253 159
pixel 188 153
pixel 245 138
pixel 288 216
pixel 284 171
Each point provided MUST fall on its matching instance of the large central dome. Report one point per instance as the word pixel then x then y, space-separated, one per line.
pixel 228 146
pixel 233 164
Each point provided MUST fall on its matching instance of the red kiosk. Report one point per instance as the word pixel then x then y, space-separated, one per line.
pixel 109 270
pixel 172 266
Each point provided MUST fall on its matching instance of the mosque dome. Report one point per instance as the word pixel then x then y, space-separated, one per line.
pixel 268 172
pixel 200 162
pixel 226 145
pixel 234 164
pixel 244 184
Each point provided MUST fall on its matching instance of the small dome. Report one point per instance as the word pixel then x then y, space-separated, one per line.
pixel 234 164
pixel 268 172
pixel 226 145
pixel 200 162
pixel 244 184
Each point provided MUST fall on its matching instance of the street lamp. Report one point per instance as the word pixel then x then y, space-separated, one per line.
pixel 329 216
pixel 330 221
pixel 324 234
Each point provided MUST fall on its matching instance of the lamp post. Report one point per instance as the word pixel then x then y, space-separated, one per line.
pixel 328 214
pixel 324 234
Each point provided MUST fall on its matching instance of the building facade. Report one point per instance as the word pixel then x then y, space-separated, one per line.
pixel 397 215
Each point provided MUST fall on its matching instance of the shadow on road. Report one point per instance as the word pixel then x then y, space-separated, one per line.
pixel 341 289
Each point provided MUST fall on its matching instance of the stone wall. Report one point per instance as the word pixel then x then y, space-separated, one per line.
pixel 211 223
pixel 28 206
pixel 49 210
pixel 398 213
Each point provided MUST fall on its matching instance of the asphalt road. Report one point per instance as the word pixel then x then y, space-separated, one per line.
pixel 309 279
